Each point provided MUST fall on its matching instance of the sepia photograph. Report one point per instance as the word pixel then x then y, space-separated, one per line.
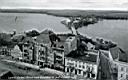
pixel 63 39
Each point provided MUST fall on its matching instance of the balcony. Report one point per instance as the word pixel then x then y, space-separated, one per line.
pixel 57 59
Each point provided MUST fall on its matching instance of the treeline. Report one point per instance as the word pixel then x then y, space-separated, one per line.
pixel 10 39
pixel 5 39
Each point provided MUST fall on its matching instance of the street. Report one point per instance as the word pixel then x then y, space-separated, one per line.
pixel 32 74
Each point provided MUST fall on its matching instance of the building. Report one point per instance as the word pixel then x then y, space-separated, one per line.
pixel 42 55
pixel 106 70
pixel 28 49
pixel 85 66
pixel 59 58
pixel 55 54
pixel 16 52
pixel 120 59
pixel 4 50
pixel 116 62
pixel 63 47
pixel 48 56
pixel 70 44
pixel 27 52
pixel 122 71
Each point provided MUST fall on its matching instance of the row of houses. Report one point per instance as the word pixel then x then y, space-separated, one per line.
pixel 39 52
pixel 85 66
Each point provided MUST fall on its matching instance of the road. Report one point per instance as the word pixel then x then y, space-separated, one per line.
pixel 32 74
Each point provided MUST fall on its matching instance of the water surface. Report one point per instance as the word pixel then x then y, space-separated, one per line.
pixel 115 30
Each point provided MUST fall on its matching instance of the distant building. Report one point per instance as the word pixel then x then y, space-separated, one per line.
pixel 28 49
pixel 85 66
pixel 27 52
pixel 47 55
pixel 70 44
pixel 50 58
pixel 59 49
pixel 67 41
pixel 42 55
pixel 4 50
pixel 16 52
pixel 59 58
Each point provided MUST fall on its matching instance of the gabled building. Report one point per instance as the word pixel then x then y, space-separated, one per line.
pixel 55 53
pixel 116 61
pixel 4 50
pixel 85 66
pixel 28 49
pixel 42 58
pixel 59 58
pixel 120 59
pixel 16 52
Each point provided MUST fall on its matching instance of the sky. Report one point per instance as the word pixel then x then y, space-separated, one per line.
pixel 66 4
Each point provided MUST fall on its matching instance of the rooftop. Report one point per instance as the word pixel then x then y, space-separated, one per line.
pixel 87 57
pixel 118 53
pixel 44 37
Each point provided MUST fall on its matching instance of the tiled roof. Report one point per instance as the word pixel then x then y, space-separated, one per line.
pixel 63 37
pixel 19 37
pixel 43 38
pixel 84 58
pixel 118 53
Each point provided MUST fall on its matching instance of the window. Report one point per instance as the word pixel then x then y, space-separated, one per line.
pixel 122 69
pixel 71 69
pixel 83 66
pixel 75 71
pixel 67 69
pixel 75 65
pixel 127 70
pixel 80 66
pixel 25 54
pixel 121 75
pixel 79 71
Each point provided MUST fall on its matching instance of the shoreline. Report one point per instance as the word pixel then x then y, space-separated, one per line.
pixel 103 14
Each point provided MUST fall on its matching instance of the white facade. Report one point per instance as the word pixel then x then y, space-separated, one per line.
pixel 122 67
pixel 5 51
pixel 70 44
pixel 16 52
pixel 122 70
pixel 81 68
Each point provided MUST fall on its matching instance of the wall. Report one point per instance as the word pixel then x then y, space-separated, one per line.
pixel 122 70
pixel 80 68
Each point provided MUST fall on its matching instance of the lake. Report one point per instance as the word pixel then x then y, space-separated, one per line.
pixel 115 30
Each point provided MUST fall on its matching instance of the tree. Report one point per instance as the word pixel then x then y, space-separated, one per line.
pixel 32 33
pixel 5 39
